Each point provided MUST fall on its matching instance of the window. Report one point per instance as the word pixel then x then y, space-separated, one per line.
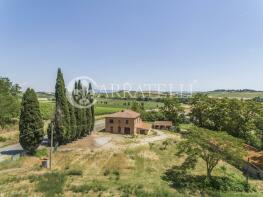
pixel 127 121
pixel 111 120
pixel 111 129
pixel 119 129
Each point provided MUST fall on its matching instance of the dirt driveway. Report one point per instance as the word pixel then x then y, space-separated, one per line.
pixel 108 141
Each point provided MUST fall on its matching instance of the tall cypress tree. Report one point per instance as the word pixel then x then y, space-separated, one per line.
pixel 31 123
pixel 62 115
pixel 78 111
pixel 89 120
pixel 73 125
pixel 92 109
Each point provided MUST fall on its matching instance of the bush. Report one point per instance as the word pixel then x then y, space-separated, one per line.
pixel 41 153
pixel 3 139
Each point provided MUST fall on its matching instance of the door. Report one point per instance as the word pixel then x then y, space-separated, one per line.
pixel 127 130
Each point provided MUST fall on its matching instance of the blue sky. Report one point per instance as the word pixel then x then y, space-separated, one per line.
pixel 217 43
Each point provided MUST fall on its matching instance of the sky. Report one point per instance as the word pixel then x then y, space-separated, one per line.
pixel 210 44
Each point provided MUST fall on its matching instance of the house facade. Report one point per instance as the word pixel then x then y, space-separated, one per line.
pixel 126 122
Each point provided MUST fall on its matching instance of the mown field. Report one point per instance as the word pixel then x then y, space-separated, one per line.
pixel 238 95
pixel 130 171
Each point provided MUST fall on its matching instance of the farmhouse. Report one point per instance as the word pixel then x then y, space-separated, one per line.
pixel 165 125
pixel 126 122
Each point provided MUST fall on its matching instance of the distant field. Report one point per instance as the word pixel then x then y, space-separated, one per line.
pixel 126 103
pixel 239 95
pixel 47 109
pixel 106 110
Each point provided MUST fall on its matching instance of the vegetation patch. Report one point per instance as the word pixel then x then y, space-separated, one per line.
pixel 9 164
pixel 41 153
pixel 112 174
pixel 180 180
pixel 139 191
pixel 3 139
pixel 74 172
pixel 94 186
pixel 51 183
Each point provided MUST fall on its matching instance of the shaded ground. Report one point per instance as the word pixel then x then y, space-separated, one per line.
pixel 255 156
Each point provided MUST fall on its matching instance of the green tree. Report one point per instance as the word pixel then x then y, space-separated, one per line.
pixel 31 123
pixel 237 117
pixel 73 124
pixel 9 101
pixel 199 114
pixel 78 111
pixel 171 110
pixel 92 108
pixel 135 106
pixel 62 115
pixel 89 120
pixel 211 147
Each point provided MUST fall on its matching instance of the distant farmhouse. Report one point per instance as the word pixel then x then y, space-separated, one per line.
pixel 126 122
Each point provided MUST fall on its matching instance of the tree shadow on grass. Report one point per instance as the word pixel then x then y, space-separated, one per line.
pixel 11 152
pixel 182 181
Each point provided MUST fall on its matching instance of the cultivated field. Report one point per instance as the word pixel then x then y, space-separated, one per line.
pixel 238 95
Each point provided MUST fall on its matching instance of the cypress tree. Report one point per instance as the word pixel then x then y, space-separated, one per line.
pixel 62 115
pixel 92 109
pixel 73 125
pixel 89 120
pixel 84 122
pixel 78 111
pixel 84 129
pixel 31 123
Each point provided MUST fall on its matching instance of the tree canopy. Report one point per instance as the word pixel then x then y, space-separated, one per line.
pixel 9 101
pixel 211 147
pixel 31 123
pixel 242 119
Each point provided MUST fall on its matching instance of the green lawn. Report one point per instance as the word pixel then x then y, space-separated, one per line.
pixel 100 110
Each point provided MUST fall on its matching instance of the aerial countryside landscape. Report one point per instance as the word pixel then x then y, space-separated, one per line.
pixel 131 98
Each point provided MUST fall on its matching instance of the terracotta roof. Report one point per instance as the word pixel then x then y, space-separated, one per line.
pixel 144 125
pixel 166 123
pixel 124 114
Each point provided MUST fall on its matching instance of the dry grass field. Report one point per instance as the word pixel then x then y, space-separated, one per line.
pixel 103 165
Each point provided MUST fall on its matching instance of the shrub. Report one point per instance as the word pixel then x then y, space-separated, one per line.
pixel 3 139
pixel 41 153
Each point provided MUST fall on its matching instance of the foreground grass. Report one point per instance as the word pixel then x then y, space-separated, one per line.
pixel 133 171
